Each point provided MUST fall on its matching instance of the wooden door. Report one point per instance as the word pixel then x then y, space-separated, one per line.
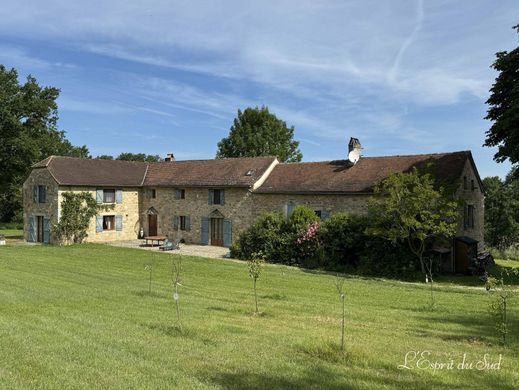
pixel 217 231
pixel 152 224
pixel 39 229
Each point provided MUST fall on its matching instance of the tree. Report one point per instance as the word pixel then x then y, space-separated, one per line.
pixel 501 211
pixel 255 266
pixel 77 210
pixel 257 132
pixel 28 134
pixel 138 157
pixel 504 107
pixel 407 207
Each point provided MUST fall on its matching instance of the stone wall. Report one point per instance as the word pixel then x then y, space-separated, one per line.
pixel 237 208
pixel 39 177
pixel 353 204
pixel 128 209
pixel 476 198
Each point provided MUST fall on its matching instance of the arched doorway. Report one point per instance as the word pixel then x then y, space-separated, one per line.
pixel 152 221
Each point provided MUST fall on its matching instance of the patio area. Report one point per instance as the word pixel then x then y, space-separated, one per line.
pixel 215 252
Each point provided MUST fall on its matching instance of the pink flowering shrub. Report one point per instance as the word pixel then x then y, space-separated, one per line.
pixel 308 244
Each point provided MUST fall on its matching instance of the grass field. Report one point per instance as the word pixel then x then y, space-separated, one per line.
pixel 82 317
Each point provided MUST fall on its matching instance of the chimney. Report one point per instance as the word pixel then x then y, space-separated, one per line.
pixel 169 157
pixel 354 150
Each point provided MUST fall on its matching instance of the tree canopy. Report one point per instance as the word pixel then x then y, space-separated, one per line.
pixel 504 107
pixel 258 132
pixel 501 211
pixel 407 207
pixel 28 134
pixel 132 157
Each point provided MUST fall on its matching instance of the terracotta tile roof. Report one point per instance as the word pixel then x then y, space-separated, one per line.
pixel 87 172
pixel 341 177
pixel 235 172
pixel 219 172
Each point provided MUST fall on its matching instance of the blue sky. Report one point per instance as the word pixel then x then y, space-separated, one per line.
pixel 405 77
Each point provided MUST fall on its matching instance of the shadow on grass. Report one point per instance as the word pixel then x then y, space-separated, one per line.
pixel 275 297
pixel 147 294
pixel 177 331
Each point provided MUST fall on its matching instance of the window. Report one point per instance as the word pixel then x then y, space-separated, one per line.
pixel 468 220
pixel 464 182
pixel 108 196
pixel 217 196
pixel 472 185
pixel 42 194
pixel 182 222
pixel 318 213
pixel 180 193
pixel 109 222
pixel 153 193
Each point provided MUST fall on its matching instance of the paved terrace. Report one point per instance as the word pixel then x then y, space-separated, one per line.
pixel 215 252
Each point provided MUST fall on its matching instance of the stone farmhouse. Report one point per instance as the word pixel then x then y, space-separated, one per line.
pixel 211 201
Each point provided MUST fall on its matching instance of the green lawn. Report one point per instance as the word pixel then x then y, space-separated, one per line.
pixel 11 233
pixel 81 317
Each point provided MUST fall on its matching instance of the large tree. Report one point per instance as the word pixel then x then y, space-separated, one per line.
pixel 501 211
pixel 407 207
pixel 28 133
pixel 258 132
pixel 504 107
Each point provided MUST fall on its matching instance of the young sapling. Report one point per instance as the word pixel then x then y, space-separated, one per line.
pixel 255 266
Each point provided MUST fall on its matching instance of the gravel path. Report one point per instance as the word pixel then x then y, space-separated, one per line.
pixel 215 252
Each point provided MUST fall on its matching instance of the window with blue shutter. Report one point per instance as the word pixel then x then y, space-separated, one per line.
pixel 35 194
pixel 227 232
pixel 176 221
pixel 42 194
pixel 99 198
pixel 119 223
pixel 118 196
pixel 188 223
pixel 99 223
pixel 204 240
pixel 290 209
pixel 32 229
pixel 211 196
pixel 46 230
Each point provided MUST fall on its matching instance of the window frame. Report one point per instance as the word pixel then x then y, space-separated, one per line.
pixel 42 190
pixel 108 191
pixel 220 198
pixel 112 219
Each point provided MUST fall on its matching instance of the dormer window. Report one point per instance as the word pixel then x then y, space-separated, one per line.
pixel 250 172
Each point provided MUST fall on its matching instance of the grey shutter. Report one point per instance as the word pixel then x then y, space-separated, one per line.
pixel 188 223
pixel 211 196
pixel 222 197
pixel 99 223
pixel 227 232
pixel 325 215
pixel 119 223
pixel 290 209
pixel 177 193
pixel 205 231
pixel 32 233
pixel 118 196
pixel 99 197
pixel 465 216
pixel 46 231
pixel 35 194
pixel 176 222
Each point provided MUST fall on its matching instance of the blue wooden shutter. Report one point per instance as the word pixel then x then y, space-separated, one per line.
pixel 119 223
pixel 222 197
pixel 211 196
pixel 99 223
pixel 325 215
pixel 118 196
pixel 176 222
pixel 205 231
pixel 188 223
pixel 227 232
pixel 32 233
pixel 99 197
pixel 290 209
pixel 177 193
pixel 35 194
pixel 46 231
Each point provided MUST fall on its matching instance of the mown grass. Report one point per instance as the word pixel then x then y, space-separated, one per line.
pixel 11 233
pixel 81 317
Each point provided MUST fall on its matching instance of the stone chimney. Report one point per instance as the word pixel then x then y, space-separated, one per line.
pixel 169 157
pixel 354 150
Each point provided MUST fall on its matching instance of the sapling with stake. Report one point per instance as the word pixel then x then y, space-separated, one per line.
pixel 255 265
pixel 428 263
pixel 176 270
pixel 149 268
pixel 502 292
pixel 339 284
